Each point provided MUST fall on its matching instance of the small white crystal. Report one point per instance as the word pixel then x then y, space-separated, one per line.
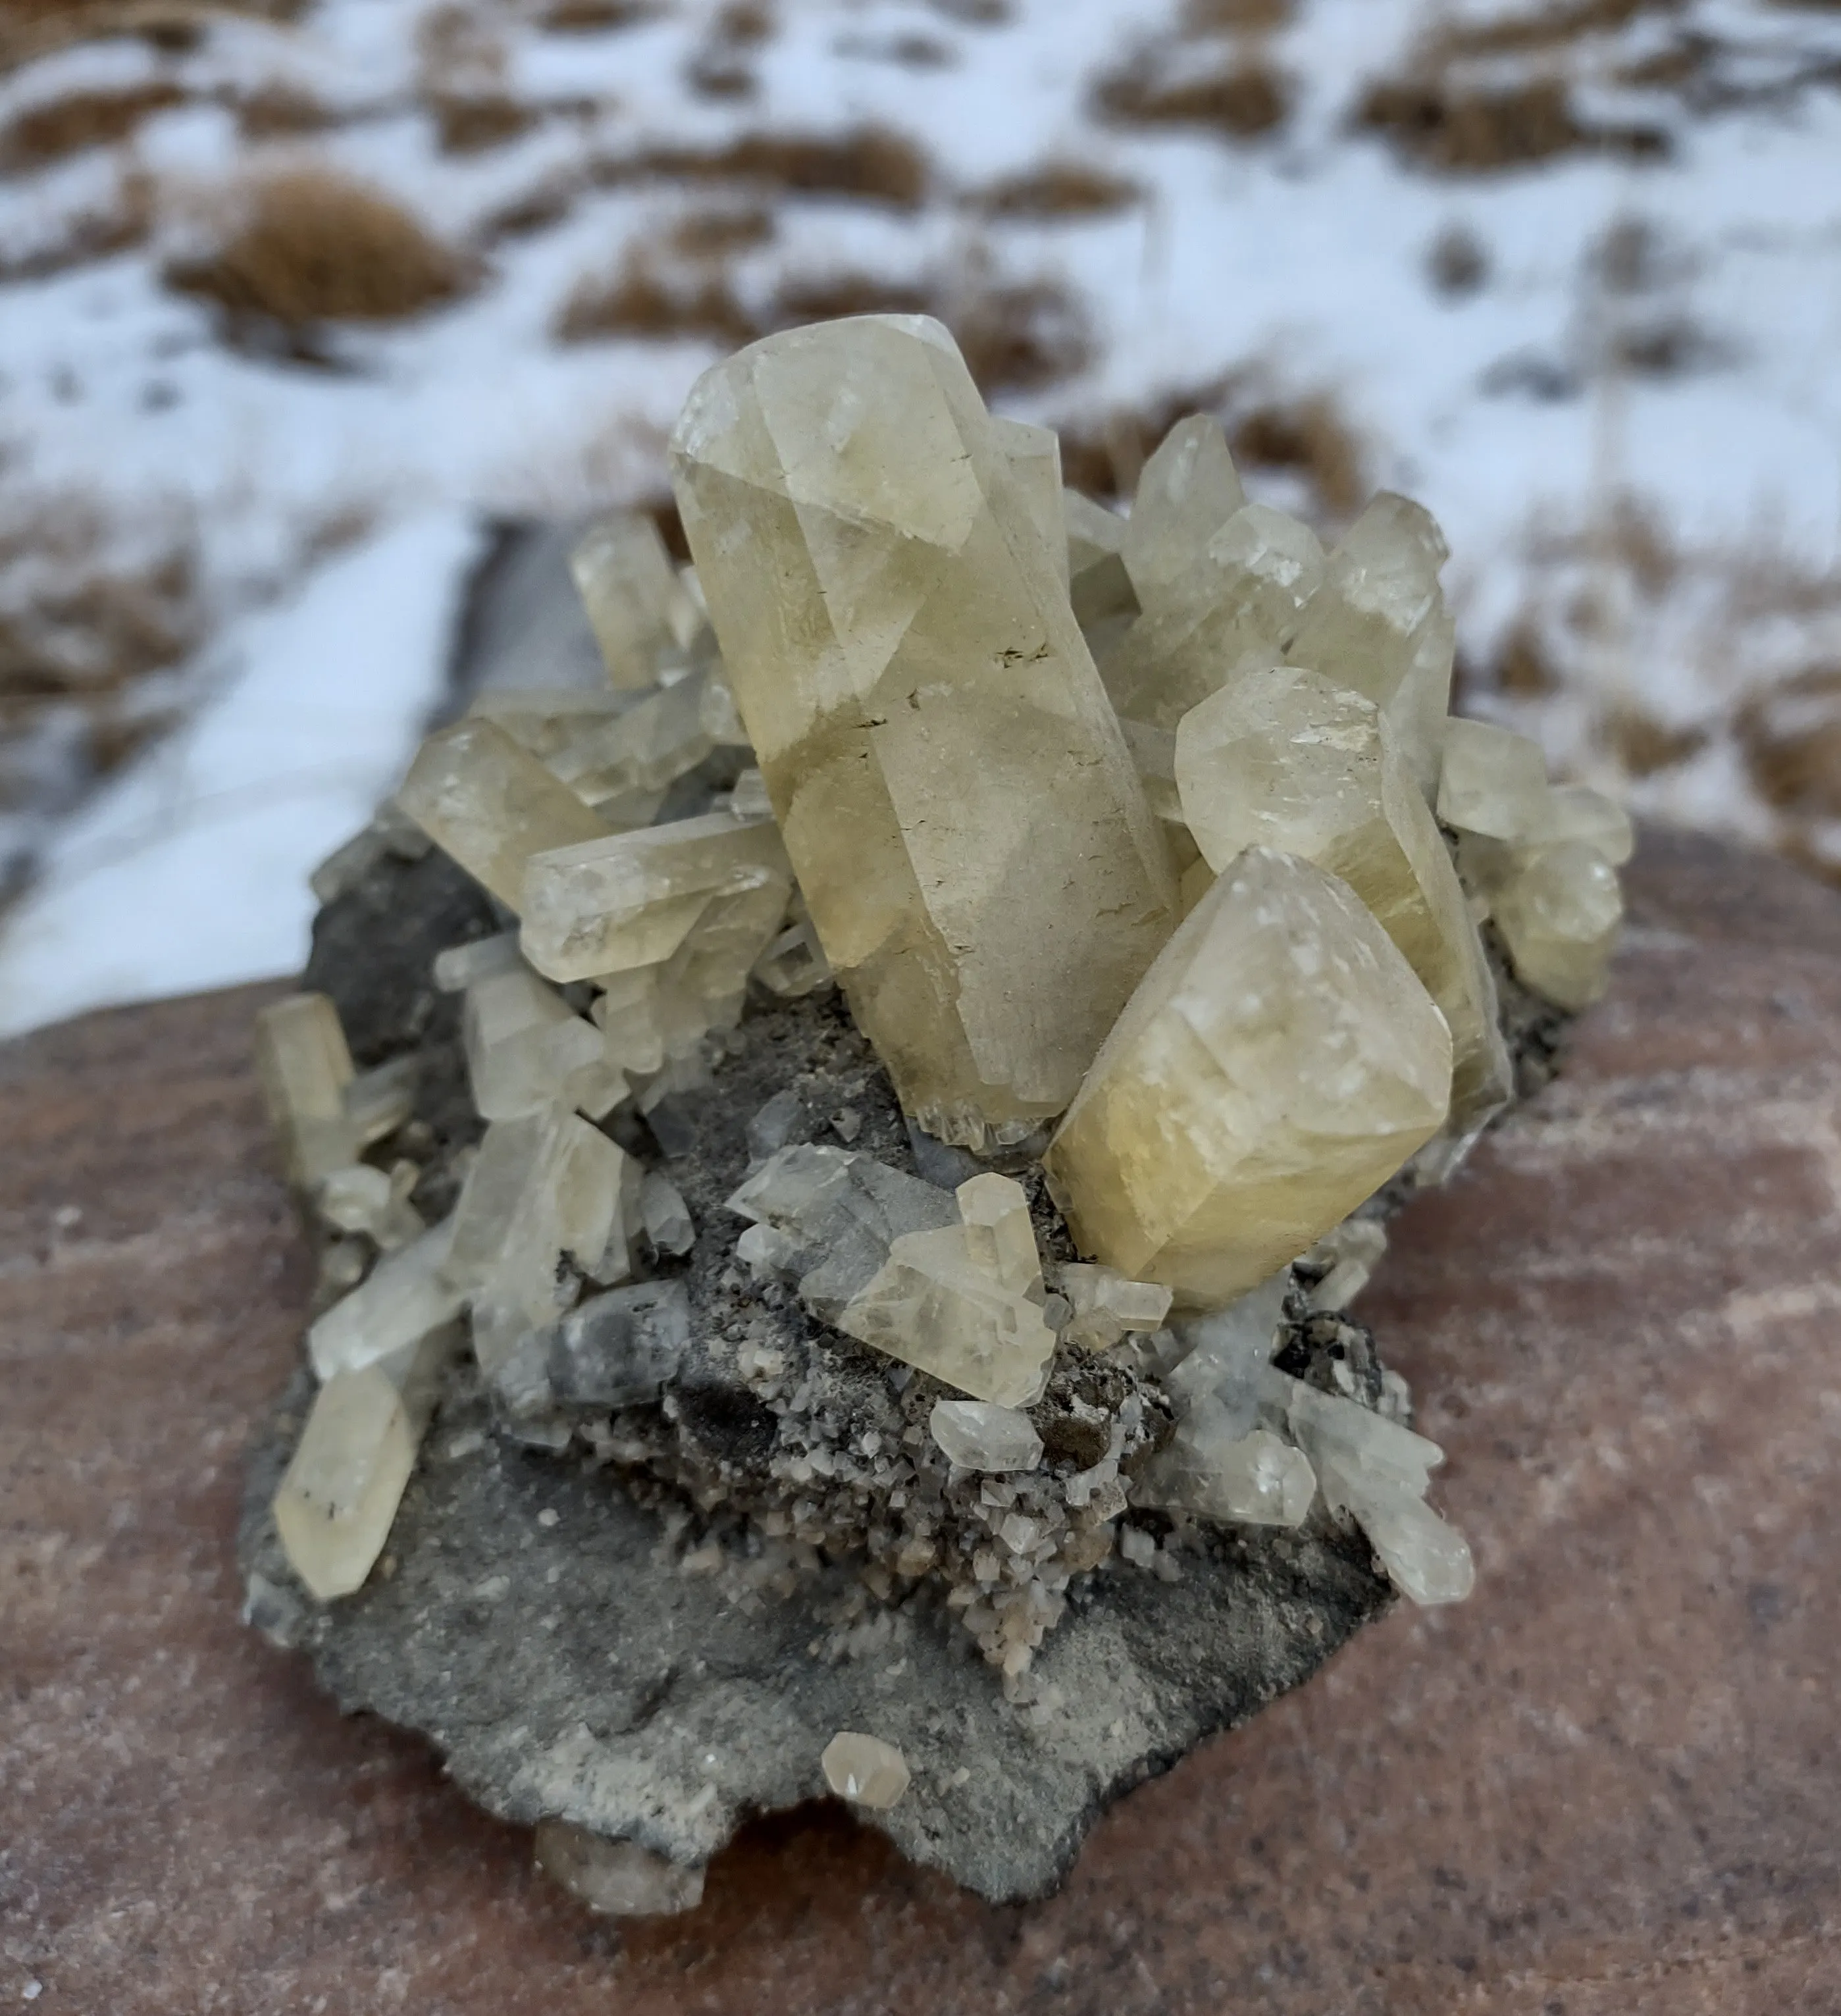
pixel 1493 782
pixel 663 1216
pixel 1216 1467
pixel 864 1769
pixel 978 1436
pixel 632 594
pixel 1104 1305
pixel 617 1879
pixel 459 965
pixel 526 1050
pixel 1351 1253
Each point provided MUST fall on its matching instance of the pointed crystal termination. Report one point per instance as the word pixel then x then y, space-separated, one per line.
pixel 1378 624
pixel 1034 455
pixel 1222 620
pixel 1105 1305
pixel 631 592
pixel 526 1050
pixel 1276 1065
pixel 1186 492
pixel 339 1495
pixel 491 805
pixel 1378 1471
pixel 631 900
pixel 406 1297
pixel 864 1769
pixel 955 796
pixel 1296 761
pixel 964 1302
pixel 305 1067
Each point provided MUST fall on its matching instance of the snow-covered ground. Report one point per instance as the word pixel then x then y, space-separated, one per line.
pixel 1614 372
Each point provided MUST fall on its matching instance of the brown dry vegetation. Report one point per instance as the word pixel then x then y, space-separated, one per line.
pixel 311 246
pixel 280 112
pixel 64 126
pixel 711 233
pixel 872 163
pixel 78 629
pixel 1307 438
pixel 1057 188
pixel 1214 17
pixel 1443 124
pixel 469 122
pixel 648 298
pixel 30 29
pixel 594 17
pixel 1791 738
pixel 1242 101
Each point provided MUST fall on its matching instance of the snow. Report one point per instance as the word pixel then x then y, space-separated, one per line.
pixel 1298 260
pixel 191 872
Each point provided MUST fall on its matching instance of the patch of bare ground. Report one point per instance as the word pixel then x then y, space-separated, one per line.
pixel 307 246
pixel 872 164
pixel 1056 188
pixel 1306 439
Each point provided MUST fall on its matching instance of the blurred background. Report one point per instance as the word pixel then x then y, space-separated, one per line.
pixel 309 312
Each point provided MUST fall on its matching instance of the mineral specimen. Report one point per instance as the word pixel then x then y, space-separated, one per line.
pixel 864 1769
pixel 955 796
pixel 1275 1067
pixel 970 1303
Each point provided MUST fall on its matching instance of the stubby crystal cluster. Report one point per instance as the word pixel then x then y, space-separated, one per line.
pixel 1172 907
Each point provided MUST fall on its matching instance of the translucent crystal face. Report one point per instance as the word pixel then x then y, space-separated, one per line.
pixel 967 827
pixel 1275 1067
pixel 990 841
pixel 1293 760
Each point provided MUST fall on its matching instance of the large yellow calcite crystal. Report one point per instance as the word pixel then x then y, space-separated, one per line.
pixel 967 827
pixel 1293 760
pixel 1276 1065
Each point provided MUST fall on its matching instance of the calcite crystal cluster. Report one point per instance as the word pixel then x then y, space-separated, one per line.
pixel 1094 925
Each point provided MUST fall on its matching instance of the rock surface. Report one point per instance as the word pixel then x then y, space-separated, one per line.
pixel 1605 1786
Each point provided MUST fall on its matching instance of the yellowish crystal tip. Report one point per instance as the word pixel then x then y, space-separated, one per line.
pixel 1276 1065
pixel 969 833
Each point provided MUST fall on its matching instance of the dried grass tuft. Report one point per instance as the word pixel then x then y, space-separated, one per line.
pixel 314 246
pixel 1791 740
pixel 1443 124
pixel 1056 188
pixel 65 126
pixel 1243 101
pixel 871 163
pixel 647 298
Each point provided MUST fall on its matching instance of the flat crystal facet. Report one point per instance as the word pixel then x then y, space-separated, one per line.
pixel 404 1299
pixel 1493 782
pixel 978 1436
pixel 864 1769
pixel 617 1879
pixel 541 1188
pixel 1105 1305
pixel 527 1050
pixel 963 1302
pixel 1223 620
pixel 1034 455
pixel 1276 1065
pixel 338 1497
pixel 955 796
pixel 1214 1467
pixel 491 805
pixel 1559 917
pixel 631 900
pixel 1378 624
pixel 1295 762
pixel 1576 812
pixel 631 592
pixel 305 1068
pixel 1188 490
pixel 1350 1253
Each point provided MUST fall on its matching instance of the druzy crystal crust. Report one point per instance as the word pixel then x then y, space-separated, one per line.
pixel 939 1038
